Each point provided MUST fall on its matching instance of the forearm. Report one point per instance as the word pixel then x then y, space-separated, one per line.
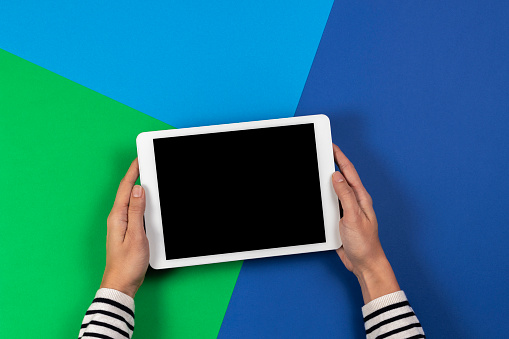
pixel 377 281
pixel 387 311
pixel 111 315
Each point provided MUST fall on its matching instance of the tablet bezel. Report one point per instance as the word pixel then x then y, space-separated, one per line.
pixel 153 220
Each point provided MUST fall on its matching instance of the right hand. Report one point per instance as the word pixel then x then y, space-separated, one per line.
pixel 362 251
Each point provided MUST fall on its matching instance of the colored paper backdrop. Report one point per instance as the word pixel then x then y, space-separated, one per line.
pixel 418 96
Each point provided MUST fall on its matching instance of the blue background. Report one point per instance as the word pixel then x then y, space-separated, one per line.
pixel 418 96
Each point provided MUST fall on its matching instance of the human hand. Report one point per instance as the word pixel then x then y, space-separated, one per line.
pixel 362 251
pixel 127 251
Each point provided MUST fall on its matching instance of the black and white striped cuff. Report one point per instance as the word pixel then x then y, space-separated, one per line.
pixel 111 315
pixel 391 316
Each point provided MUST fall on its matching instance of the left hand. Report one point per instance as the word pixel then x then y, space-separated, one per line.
pixel 127 251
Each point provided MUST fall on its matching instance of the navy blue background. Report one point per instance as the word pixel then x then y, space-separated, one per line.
pixel 418 96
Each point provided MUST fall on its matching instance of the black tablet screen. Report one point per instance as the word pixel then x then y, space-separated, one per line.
pixel 239 191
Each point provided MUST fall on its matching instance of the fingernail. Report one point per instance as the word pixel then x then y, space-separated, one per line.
pixel 337 177
pixel 137 191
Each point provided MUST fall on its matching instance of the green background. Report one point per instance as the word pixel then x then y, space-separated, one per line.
pixel 63 147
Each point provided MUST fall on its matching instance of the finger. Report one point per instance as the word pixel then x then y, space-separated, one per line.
pixel 352 177
pixel 346 167
pixel 345 194
pixel 135 213
pixel 125 188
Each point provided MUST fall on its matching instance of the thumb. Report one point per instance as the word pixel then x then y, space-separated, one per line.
pixel 345 193
pixel 136 211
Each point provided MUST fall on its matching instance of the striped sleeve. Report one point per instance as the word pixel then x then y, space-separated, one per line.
pixel 391 316
pixel 110 316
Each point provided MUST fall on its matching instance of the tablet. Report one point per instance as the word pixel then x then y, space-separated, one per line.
pixel 239 191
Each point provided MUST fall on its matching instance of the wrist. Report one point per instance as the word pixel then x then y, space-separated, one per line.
pixel 377 280
pixel 129 290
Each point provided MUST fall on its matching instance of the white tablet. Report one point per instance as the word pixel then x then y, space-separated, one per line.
pixel 239 191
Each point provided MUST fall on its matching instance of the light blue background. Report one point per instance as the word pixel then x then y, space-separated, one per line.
pixel 186 63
